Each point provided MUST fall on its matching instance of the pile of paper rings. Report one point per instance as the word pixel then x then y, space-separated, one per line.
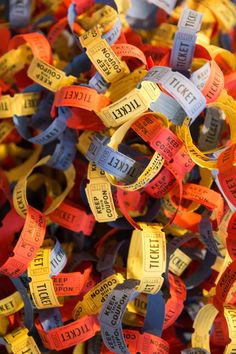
pixel 118 176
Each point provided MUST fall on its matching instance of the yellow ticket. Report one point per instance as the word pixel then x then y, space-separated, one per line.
pixel 48 76
pixel 19 194
pixel 14 61
pixel 21 104
pixel 41 285
pixel 93 300
pixel 147 258
pixel 99 195
pixel 11 304
pixel 178 262
pixel 107 63
pixel 132 105
pixel 21 342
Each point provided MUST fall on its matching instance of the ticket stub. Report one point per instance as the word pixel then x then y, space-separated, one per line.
pixel 190 20
pixel 11 304
pixel 99 195
pixel 147 258
pixel 21 104
pixel 111 315
pixel 138 305
pixel 102 56
pixel 73 217
pixel 112 161
pixel 132 105
pixel 188 96
pixel 181 88
pixel 93 300
pixel 166 143
pixel 41 285
pixel 20 342
pixel 70 334
pixel 14 60
pixel 211 129
pixel 224 11
pixel 30 240
pixel 48 76
pixel 202 325
pixel 185 38
pixel 105 17
pixel 200 76
pixel 175 304
pixel 122 87
pixel 161 184
pixel 182 51
pixel 80 97
pixel 178 262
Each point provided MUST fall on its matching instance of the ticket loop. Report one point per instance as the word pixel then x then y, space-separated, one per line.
pixel 225 163
pixel 30 240
pixel 55 30
pixel 80 97
pixel 161 139
pixel 230 241
pixel 144 343
pixel 197 156
pixel 152 168
pixel 70 334
pixel 173 306
pixel 51 133
pixel 186 94
pixel 71 284
pixel 205 196
pixel 224 285
pixel 213 84
pixel 104 17
pixel 224 12
pixel 28 306
pixel 38 43
pixel 211 130
pixel 112 161
pixel 19 194
pixel 122 87
pixel 203 323
pixel 129 50
pixel 73 217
